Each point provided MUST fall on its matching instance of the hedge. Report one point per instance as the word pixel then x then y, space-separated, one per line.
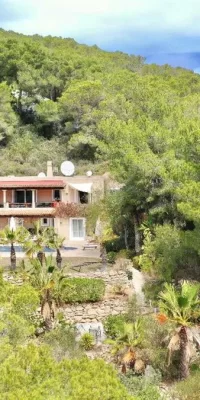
pixel 80 290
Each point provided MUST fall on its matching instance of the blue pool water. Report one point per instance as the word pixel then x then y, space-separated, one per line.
pixel 19 249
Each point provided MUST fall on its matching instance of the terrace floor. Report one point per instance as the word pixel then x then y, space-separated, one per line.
pixel 74 256
pixel 72 249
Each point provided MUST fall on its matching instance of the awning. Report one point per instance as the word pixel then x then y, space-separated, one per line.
pixel 82 187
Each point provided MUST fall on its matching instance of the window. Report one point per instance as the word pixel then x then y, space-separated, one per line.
pixel 45 222
pixel 77 230
pixel 23 196
pixel 56 194
pixel 83 197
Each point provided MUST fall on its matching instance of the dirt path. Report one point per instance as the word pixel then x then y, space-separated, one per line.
pixel 138 283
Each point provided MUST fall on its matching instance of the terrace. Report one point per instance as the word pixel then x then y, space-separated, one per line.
pixel 30 194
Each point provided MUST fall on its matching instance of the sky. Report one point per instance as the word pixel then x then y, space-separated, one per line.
pixel 161 30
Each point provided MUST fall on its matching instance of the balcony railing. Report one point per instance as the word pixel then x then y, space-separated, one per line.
pixel 20 205
pixel 29 205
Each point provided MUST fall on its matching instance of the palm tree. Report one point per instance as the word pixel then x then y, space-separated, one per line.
pixel 181 306
pixel 130 337
pixel 47 279
pixel 56 242
pixel 37 244
pixel 10 236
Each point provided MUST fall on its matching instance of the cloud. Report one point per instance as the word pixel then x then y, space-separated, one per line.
pixel 136 26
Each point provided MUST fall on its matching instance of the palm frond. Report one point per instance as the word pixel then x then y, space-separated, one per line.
pixel 180 305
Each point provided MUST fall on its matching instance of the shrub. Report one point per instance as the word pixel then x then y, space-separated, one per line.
pixel 30 372
pixel 124 253
pixel 140 387
pixel 119 290
pixel 93 380
pixel 62 341
pixel 79 290
pixel 114 245
pixel 15 329
pixel 188 389
pixel 133 309
pixel 155 346
pixel 87 341
pixel 113 325
pixel 25 301
pixel 111 257
pixel 151 290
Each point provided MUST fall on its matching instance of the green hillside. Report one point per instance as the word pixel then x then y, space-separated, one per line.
pixel 63 100
pixel 109 112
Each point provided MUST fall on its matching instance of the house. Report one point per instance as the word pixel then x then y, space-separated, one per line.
pixel 31 198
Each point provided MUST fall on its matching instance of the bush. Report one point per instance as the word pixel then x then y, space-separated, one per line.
pixel 25 301
pixel 124 253
pixel 114 245
pixel 62 341
pixel 80 290
pixel 87 341
pixel 188 389
pixel 111 257
pixel 113 325
pixel 15 329
pixel 154 345
pixel 152 289
pixel 30 372
pixel 133 309
pixel 140 387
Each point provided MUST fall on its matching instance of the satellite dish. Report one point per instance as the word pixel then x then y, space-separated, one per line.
pixel 89 173
pixel 67 168
pixel 41 175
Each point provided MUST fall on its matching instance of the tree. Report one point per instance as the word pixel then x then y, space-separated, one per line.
pixel 56 242
pixel 36 245
pixel 8 119
pixel 129 338
pixel 47 279
pixel 10 236
pixel 181 306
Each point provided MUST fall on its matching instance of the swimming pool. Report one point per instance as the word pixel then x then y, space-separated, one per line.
pixel 19 249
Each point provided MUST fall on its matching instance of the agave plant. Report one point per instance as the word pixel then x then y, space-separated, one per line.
pixel 181 306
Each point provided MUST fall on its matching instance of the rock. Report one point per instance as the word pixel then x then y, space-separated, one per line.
pixel 150 373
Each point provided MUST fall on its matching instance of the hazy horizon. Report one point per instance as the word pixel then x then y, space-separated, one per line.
pixel 152 29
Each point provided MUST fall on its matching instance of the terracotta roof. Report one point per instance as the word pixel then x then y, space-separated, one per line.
pixel 22 212
pixel 45 183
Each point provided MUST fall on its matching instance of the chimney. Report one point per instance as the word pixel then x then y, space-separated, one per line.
pixel 49 169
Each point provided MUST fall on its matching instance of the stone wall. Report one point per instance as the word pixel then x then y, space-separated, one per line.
pixel 111 278
pixel 94 312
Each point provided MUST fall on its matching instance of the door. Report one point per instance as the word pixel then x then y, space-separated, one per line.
pixel 20 196
pixel 77 231
pixel 29 196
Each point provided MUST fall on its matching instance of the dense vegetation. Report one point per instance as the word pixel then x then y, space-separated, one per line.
pixel 110 112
